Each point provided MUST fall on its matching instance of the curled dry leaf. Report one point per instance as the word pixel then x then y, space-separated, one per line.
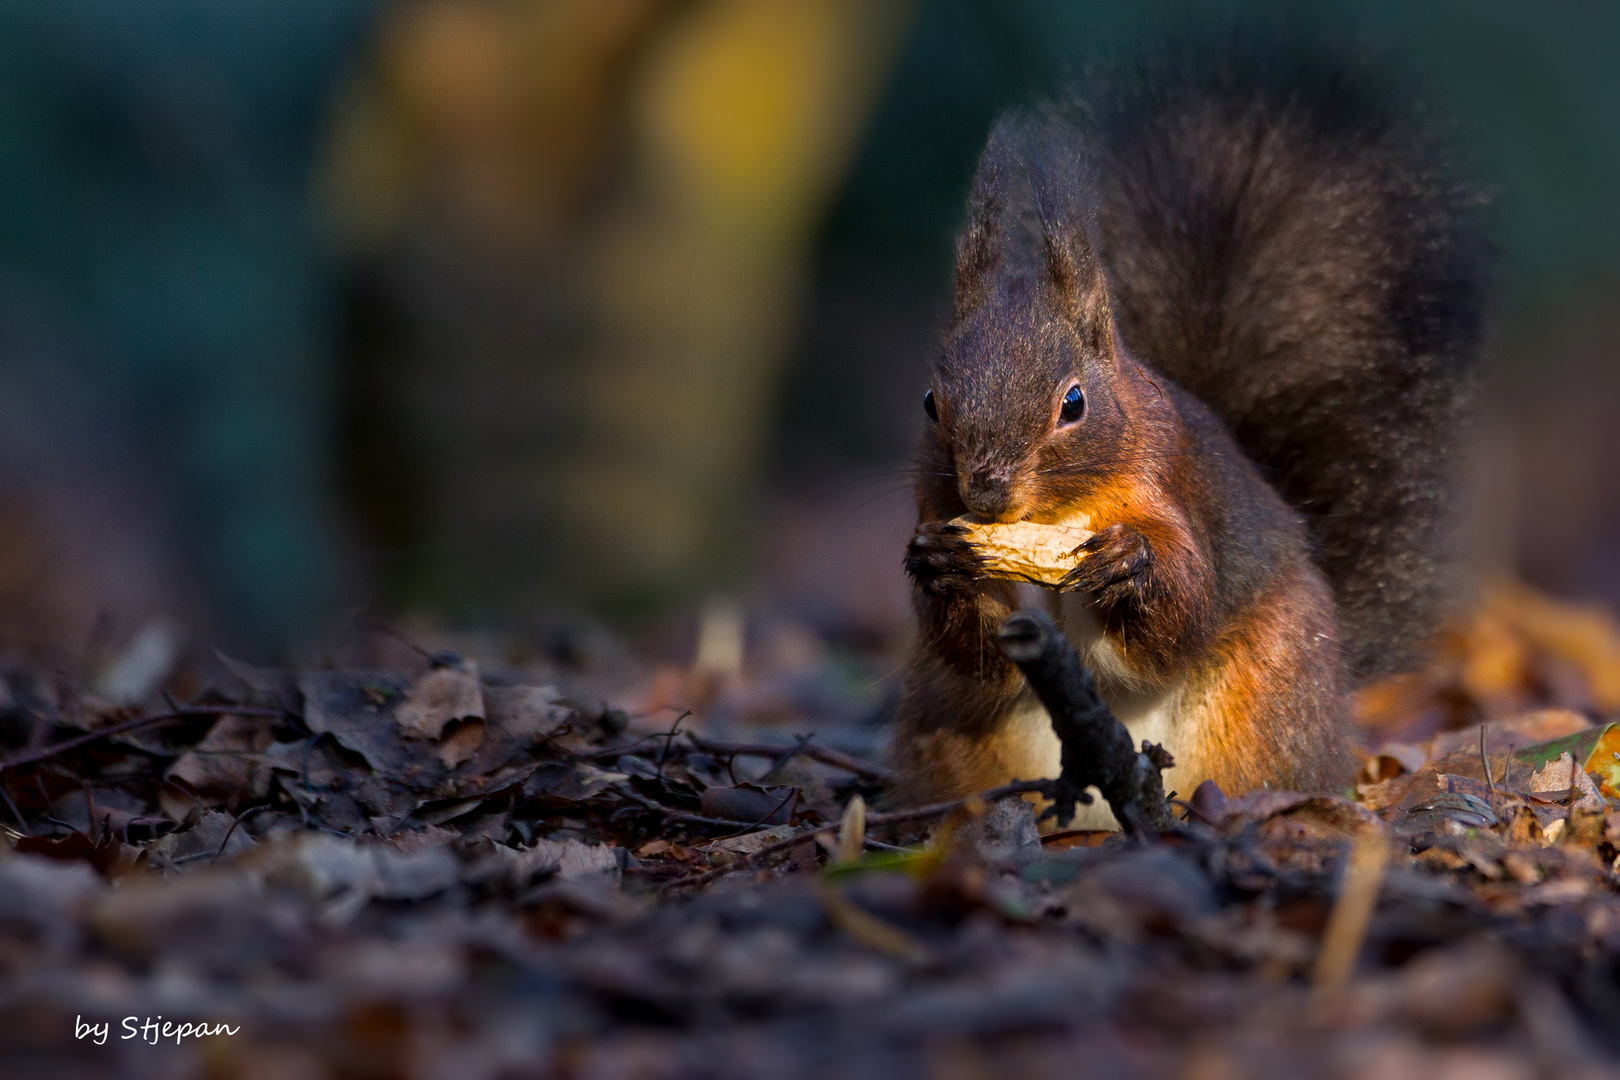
pixel 1027 551
pixel 1584 794
pixel 229 759
pixel 1596 750
pixel 352 707
pixel 516 719
pixel 462 742
pixel 531 712
pixel 1391 760
pixel 1557 775
pixel 442 695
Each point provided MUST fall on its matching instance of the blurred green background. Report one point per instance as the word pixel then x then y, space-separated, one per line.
pixel 483 309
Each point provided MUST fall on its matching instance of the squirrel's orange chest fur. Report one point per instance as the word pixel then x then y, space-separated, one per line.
pixel 1262 707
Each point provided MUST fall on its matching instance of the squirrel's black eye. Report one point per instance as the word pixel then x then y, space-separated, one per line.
pixel 1074 406
pixel 929 408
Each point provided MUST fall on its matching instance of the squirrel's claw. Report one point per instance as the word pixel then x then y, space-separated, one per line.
pixel 940 559
pixel 1064 796
pixel 1115 566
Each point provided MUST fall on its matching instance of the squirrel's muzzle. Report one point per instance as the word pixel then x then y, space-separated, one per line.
pixel 988 493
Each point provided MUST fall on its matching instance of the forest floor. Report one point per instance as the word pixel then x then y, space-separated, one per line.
pixel 404 863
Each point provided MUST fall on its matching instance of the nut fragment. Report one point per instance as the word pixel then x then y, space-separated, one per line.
pixel 1026 551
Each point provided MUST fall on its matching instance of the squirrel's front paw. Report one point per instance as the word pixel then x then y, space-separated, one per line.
pixel 940 559
pixel 1114 567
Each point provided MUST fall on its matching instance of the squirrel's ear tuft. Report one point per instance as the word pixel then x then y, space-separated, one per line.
pixel 1081 290
pixel 1071 260
pixel 977 249
pixel 976 256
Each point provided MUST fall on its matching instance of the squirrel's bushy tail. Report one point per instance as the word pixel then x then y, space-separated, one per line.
pixel 1289 244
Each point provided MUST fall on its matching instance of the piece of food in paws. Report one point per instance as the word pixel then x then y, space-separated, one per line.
pixel 1026 551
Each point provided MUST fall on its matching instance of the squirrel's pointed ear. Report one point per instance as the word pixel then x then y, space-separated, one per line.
pixel 1078 282
pixel 1071 260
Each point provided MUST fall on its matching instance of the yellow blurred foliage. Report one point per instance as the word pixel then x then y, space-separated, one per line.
pixel 494 113
pixel 754 106
pixel 664 166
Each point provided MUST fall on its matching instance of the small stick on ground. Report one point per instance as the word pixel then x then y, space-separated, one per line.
pixel 893 817
pixel 669 738
pixel 241 817
pixel 674 814
pixel 870 770
pixel 1097 748
pixel 919 813
pixel 22 825
pixel 871 930
pixel 196 712
pixel 1347 925
pixel 852 830
pixel 1485 762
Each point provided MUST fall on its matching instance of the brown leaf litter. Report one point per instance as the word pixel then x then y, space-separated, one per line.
pixel 434 868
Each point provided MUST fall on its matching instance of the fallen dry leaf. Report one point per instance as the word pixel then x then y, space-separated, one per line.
pixel 229 760
pixel 353 707
pixel 446 693
pixel 462 742
pixel 465 902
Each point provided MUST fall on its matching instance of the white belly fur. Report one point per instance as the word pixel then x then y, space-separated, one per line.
pixel 1149 711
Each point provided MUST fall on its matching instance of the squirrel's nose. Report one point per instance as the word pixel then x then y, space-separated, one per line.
pixel 988 493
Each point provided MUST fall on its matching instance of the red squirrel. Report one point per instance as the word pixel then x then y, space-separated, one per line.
pixel 1229 309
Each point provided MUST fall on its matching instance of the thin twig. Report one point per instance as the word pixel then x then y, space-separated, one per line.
pixel 1347 923
pixel 1485 761
pixel 607 752
pixel 868 929
pixel 365 620
pixel 243 816
pixel 697 819
pixel 915 813
pixel 21 824
pixel 878 845
pixel 894 817
pixel 45 752
pixel 871 770
pixel 788 753
pixel 669 738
